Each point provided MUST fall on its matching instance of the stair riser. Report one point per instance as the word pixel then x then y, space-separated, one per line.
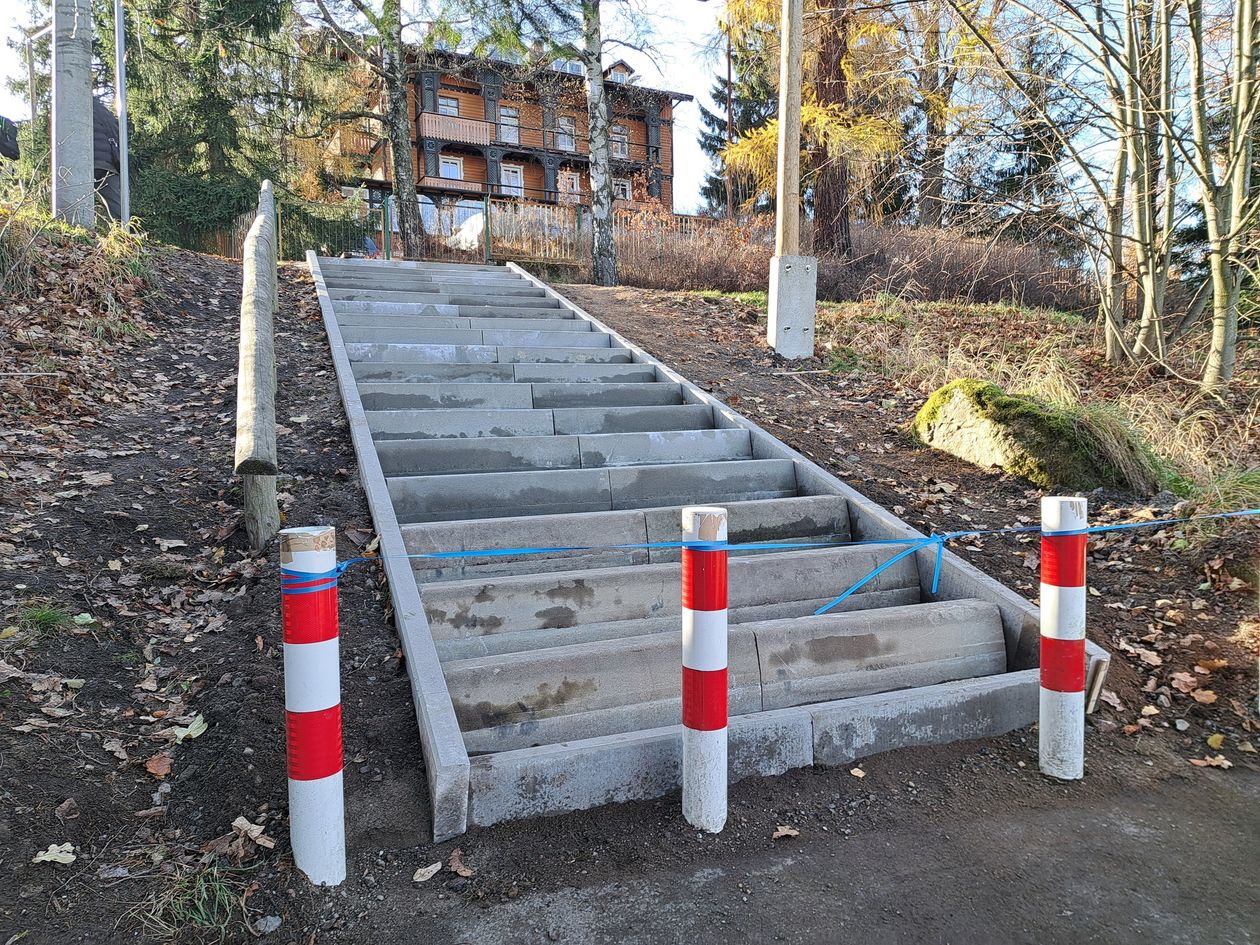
pixel 446 322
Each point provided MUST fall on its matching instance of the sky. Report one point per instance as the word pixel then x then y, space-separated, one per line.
pixel 682 29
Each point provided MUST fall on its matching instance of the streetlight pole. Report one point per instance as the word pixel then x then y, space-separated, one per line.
pixel 793 277
pixel 120 109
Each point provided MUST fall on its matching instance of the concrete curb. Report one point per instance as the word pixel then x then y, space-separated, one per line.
pixel 445 758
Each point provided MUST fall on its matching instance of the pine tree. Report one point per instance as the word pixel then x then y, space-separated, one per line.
pixel 754 101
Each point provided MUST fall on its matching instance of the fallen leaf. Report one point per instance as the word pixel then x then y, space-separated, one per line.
pixel 245 828
pixel 8 632
pixel 857 772
pixel 1247 747
pixel 1215 741
pixel 166 544
pixel 1184 682
pixel 197 727
pixel 83 619
pixel 1213 665
pixel 1149 710
pixel 456 865
pixel 56 853
pixel 8 672
pixel 1131 729
pixel 1149 656
pixel 159 765
pixel 114 565
pixel 67 809
pixel 1112 700
pixel 115 747
pixel 783 830
pixel 1204 696
pixel 426 873
pixel 1216 761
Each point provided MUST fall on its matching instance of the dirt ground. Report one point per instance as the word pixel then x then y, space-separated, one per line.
pixel 147 718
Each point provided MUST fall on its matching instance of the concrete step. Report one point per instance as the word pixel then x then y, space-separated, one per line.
pixel 801 518
pixel 518 453
pixel 423 424
pixel 461 311
pixel 484 354
pixel 406 371
pixel 438 498
pixel 585 690
pixel 336 264
pixel 506 295
pixel 469 336
pixel 633 419
pixel 409 322
pixel 630 599
pixel 408 395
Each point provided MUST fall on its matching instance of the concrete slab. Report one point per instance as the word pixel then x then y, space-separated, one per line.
pixel 544 339
pixel 567 355
pixel 457 422
pixel 632 419
pixel 529 323
pixel 955 711
pixel 418 373
pixel 584 373
pixel 424 354
pixel 803 518
pixel 667 446
pixel 537 531
pixel 586 690
pixel 516 311
pixel 477 454
pixel 395 308
pixel 411 336
pixel 431 322
pixel 552 779
pixel 492 300
pixel 708 483
pixel 813 659
pixel 411 395
pixel 606 395
pixel 492 495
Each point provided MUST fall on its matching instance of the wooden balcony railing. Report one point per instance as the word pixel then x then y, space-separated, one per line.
pixel 447 183
pixel 449 128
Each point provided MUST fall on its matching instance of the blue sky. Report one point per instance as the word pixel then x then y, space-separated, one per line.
pixel 681 27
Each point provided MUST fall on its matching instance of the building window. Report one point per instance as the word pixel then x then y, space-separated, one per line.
pixel 448 105
pixel 621 189
pixel 509 125
pixel 570 66
pixel 566 133
pixel 570 186
pixel 621 78
pixel 451 168
pixel 621 142
pixel 512 177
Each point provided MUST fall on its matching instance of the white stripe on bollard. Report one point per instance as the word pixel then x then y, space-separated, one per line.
pixel 1061 729
pixel 312 691
pixel 704 682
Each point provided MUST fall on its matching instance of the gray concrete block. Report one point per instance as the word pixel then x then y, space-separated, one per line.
pixel 495 494
pixel 584 373
pixel 514 311
pixel 557 355
pixel 490 300
pixel 430 322
pixel 793 305
pixel 477 454
pixel 457 422
pixel 850 729
pixel 711 483
pixel 632 419
pixel 416 372
pixel 411 336
pixel 411 395
pixel 529 323
pixel 667 446
pixel 802 518
pixel 554 779
pixel 424 354
pixel 606 395
pixel 538 531
pixel 585 690
pixel 418 307
pixel 544 339
pixel 814 659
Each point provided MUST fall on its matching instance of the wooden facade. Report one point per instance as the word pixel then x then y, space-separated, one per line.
pixel 506 130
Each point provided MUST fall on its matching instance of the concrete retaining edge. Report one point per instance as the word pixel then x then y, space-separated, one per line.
pixel 553 779
pixel 959 579
pixel 445 758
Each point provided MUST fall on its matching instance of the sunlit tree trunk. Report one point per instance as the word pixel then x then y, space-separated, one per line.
pixel 603 249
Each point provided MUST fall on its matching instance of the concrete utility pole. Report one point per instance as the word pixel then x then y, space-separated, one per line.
pixel 73 194
pixel 120 109
pixel 793 278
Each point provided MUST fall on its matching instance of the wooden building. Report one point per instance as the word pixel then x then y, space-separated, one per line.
pixel 520 130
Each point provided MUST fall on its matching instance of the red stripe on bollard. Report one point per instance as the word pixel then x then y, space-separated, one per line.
pixel 314 743
pixel 1062 665
pixel 1063 560
pixel 310 618
pixel 704 699
pixel 703 579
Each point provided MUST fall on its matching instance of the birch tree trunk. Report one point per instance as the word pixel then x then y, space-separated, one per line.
pixel 603 249
pixel 1111 294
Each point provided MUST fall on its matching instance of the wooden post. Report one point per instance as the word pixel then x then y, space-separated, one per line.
pixel 256 376
pixel 787 236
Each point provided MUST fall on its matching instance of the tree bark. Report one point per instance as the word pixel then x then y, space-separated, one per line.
pixel 603 248
pixel 1111 294
pixel 832 229
pixel 399 126
pixel 933 103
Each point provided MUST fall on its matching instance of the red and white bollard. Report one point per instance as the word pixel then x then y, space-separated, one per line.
pixel 312 701
pixel 704 670
pixel 1061 732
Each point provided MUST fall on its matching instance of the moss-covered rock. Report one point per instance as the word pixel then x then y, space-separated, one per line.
pixel 1052 447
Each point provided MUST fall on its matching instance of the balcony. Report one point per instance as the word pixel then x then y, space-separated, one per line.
pixel 450 128
pixel 450 183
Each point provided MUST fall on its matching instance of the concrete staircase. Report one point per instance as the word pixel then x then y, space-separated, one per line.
pixel 489 413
